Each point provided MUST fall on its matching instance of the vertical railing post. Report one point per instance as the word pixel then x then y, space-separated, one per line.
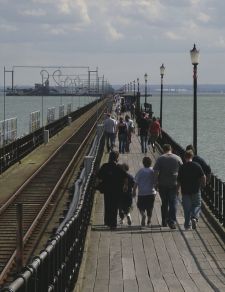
pixel 223 200
pixel 220 201
pixel 216 204
pixel 19 255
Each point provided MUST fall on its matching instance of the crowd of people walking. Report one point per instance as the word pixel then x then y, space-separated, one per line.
pixel 169 176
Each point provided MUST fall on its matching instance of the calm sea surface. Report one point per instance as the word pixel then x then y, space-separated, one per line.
pixel 22 106
pixel 177 119
pixel 178 123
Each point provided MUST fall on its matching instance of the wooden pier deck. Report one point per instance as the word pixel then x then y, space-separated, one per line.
pixel 135 258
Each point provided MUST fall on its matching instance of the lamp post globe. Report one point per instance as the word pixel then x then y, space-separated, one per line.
pixel 146 78
pixel 162 70
pixel 195 61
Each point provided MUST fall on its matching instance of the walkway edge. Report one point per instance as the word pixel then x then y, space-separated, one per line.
pixel 211 219
pixel 79 283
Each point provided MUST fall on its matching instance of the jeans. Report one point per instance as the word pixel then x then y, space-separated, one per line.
pixel 110 140
pixel 168 197
pixel 122 142
pixel 192 207
pixel 144 141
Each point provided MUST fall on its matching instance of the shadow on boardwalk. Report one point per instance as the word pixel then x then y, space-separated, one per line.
pixel 135 258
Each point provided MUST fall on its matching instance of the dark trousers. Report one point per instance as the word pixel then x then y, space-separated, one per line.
pixel 168 197
pixel 111 204
pixel 110 140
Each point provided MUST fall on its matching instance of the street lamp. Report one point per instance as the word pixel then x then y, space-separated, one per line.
pixel 146 78
pixel 134 89
pixel 162 70
pixel 194 60
pixel 138 99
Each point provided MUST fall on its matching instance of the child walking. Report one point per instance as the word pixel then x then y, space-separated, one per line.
pixel 125 203
pixel 144 181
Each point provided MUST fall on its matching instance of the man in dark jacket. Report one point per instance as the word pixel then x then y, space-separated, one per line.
pixel 114 179
pixel 190 178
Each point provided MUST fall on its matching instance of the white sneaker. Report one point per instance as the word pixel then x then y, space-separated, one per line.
pixel 129 222
pixel 194 223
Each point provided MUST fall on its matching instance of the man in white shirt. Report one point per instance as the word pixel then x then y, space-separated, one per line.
pixel 110 131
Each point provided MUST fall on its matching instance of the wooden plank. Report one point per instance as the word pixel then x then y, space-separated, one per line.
pixel 202 283
pixel 116 271
pixel 129 276
pixel 173 283
pixel 144 284
pixel 220 285
pixel 151 258
pixel 177 262
pixel 130 285
pixel 162 254
pixel 159 285
pixel 185 253
pixel 141 268
pixel 101 285
pixel 103 256
pixel 188 285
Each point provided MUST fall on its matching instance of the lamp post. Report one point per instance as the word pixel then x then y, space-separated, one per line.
pixel 162 69
pixel 138 85
pixel 138 99
pixel 134 88
pixel 194 60
pixel 146 78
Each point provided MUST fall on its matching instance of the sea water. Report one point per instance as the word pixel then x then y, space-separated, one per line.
pixel 177 121
pixel 177 118
pixel 22 106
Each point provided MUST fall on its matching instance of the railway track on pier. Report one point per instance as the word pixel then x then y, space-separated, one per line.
pixel 38 195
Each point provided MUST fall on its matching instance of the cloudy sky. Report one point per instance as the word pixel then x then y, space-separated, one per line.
pixel 123 38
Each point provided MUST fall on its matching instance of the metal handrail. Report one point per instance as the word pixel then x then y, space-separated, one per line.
pixel 57 266
pixel 214 193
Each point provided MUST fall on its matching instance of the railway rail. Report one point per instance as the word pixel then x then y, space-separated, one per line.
pixel 37 196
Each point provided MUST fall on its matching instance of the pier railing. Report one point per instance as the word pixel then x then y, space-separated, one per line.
pixel 15 151
pixel 213 194
pixel 57 266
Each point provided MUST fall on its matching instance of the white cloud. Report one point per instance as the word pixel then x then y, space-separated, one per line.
pixel 221 42
pixel 78 7
pixel 173 36
pixel 83 10
pixel 118 27
pixel 33 12
pixel 8 28
pixel 203 17
pixel 113 33
pixel 43 1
